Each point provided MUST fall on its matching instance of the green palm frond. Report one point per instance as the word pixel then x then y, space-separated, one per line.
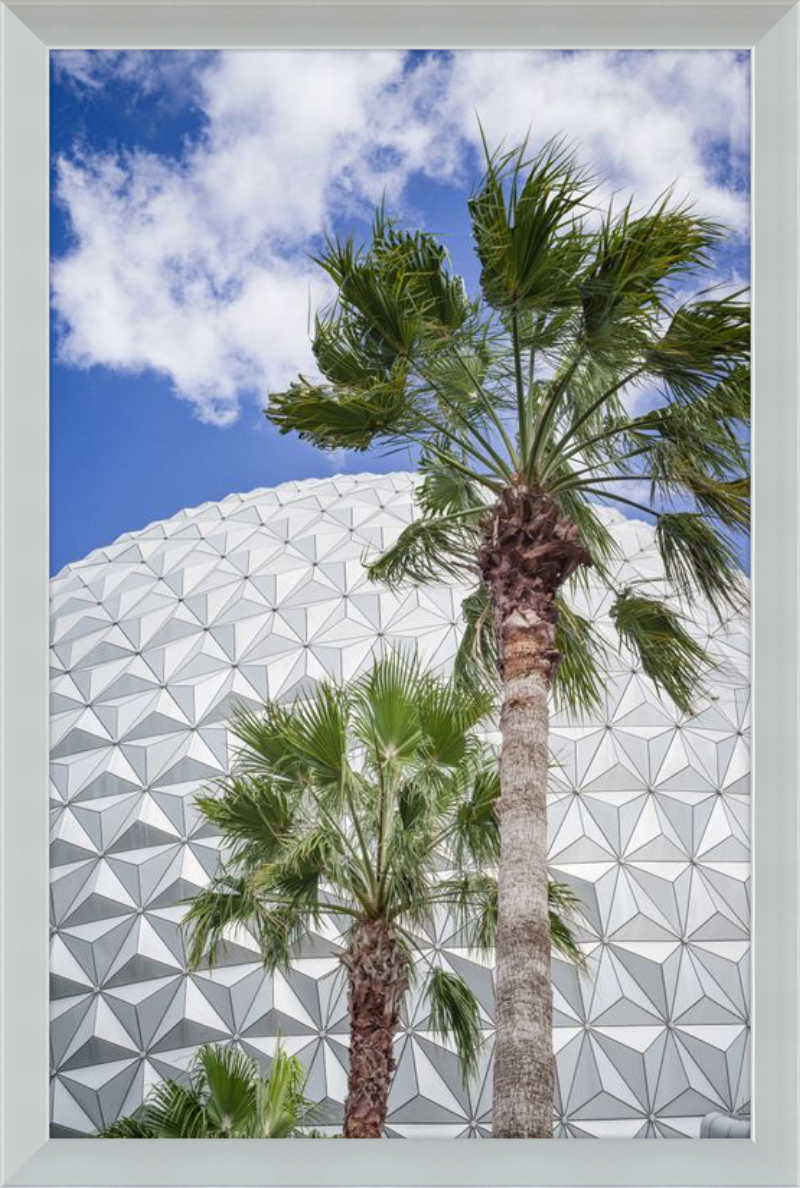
pixel 387 720
pixel 330 419
pixel 476 833
pixel 729 400
pixel 526 230
pixel 699 559
pixel 705 339
pixel 594 530
pixel 231 902
pixel 471 897
pixel 339 350
pixel 266 754
pixel 252 814
pixel 280 1106
pixel 579 680
pixel 728 502
pixel 228 902
pixel 448 715
pixel 564 909
pixel 686 448
pixel 476 659
pixel 454 1013
pixel 429 549
pixel 229 1077
pixel 127 1128
pixel 635 260
pixel 178 1111
pixel 444 491
pixel 422 266
pixel 672 659
pixel 318 734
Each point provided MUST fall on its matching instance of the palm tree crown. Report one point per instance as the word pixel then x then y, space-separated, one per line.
pixel 519 404
pixel 374 803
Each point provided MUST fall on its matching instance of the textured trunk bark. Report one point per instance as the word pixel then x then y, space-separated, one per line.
pixel 529 549
pixel 377 972
pixel 523 1055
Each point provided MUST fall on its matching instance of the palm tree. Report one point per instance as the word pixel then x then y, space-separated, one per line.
pixel 347 804
pixel 583 374
pixel 226 1097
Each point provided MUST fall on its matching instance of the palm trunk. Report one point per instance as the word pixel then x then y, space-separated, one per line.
pixel 529 550
pixel 523 1055
pixel 376 970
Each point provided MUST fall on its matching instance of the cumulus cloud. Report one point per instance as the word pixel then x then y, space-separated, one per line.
pixel 197 266
pixel 146 71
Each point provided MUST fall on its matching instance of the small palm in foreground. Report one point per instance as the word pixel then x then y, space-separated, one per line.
pixel 373 803
pixel 226 1097
pixel 580 374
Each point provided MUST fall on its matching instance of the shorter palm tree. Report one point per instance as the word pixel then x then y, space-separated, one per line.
pixel 225 1097
pixel 373 803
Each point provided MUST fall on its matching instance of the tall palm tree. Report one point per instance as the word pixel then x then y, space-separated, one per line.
pixel 226 1097
pixel 582 374
pixel 347 804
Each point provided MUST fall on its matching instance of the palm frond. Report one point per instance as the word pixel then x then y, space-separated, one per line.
pixel 729 400
pixel 471 897
pixel 177 1111
pixel 728 502
pixel 636 259
pixel 698 559
pixel 428 549
pixel 673 660
pixel 594 530
pixel 455 1014
pixel 229 1078
pixel 579 680
pixel 443 490
pixel 266 753
pixel 704 341
pixel 476 659
pixel 228 902
pixel 564 908
pixel 231 902
pixel 386 718
pixel 528 238
pixel 318 735
pixel 329 418
pixel 127 1128
pixel 448 715
pixel 252 814
pixel 476 829
pixel 281 1107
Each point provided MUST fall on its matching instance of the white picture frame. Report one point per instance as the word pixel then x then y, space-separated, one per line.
pixel 29 29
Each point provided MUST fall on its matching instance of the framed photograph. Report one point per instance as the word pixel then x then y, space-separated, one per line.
pixel 382 631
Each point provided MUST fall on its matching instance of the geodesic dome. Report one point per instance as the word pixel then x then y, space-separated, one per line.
pixel 156 637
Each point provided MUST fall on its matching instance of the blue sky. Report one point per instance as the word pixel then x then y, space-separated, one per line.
pixel 189 189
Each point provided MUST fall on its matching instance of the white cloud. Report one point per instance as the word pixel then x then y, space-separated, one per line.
pixel 147 71
pixel 648 120
pixel 197 267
